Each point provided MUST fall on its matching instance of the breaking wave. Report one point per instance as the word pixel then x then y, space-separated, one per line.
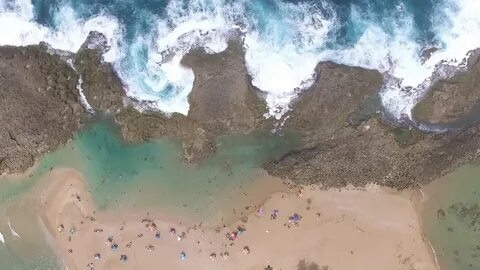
pixel 412 42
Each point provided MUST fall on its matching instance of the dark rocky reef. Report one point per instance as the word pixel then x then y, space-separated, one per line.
pixel 352 145
pixel 222 101
pixel 102 88
pixel 223 98
pixel 39 103
pixel 337 93
pixel 449 100
pixel 375 152
pixel 346 138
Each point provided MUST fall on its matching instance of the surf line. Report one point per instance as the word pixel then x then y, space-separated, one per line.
pixel 83 99
pixel 14 233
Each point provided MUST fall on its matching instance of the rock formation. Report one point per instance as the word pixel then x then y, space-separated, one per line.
pixel 346 139
pixel 450 99
pixel 39 105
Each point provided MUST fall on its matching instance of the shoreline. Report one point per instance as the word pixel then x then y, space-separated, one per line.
pixel 301 242
pixel 21 176
pixel 345 139
pixel 418 199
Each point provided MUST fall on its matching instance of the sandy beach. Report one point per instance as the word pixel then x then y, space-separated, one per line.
pixel 312 229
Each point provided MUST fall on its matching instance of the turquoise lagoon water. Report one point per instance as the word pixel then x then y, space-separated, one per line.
pixel 148 175
pixel 452 219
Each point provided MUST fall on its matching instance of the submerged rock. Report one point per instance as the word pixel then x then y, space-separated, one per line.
pixel 427 52
pixel 440 213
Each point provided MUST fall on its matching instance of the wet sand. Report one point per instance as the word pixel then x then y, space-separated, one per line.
pixel 348 229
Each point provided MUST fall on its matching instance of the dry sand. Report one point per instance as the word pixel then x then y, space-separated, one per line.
pixel 349 229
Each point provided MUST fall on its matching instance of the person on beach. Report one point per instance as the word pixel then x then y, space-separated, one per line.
pixel 150 247
pixel 109 241
pixel 274 214
pixel 91 266
pixel 183 255
pixel 225 255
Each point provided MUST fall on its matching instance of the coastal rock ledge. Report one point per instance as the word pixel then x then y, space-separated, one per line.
pixel 39 105
pixel 346 140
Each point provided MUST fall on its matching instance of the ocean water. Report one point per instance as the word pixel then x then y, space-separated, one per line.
pixel 283 40
pixel 452 218
pixel 137 176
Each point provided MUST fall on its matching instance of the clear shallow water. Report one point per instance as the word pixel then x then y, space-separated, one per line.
pixel 284 40
pixel 455 232
pixel 147 176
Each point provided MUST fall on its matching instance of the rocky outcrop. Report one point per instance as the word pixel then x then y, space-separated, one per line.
pixel 349 146
pixel 101 86
pixel 449 100
pixel 197 143
pixel 39 106
pixel 330 102
pixel 222 101
pixel 359 155
pixel 223 98
pixel 346 139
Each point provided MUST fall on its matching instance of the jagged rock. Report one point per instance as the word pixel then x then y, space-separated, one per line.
pixel 96 41
pixel 427 52
pixel 330 102
pixel 101 86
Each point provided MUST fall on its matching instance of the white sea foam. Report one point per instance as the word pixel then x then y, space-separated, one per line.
pixel 161 79
pixel 2 239
pixel 398 55
pixel 20 29
pixel 69 35
pixel 14 233
pixel 283 44
pixel 83 99
pixel 283 48
pixel 457 25
pixel 281 59
pixel 395 54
